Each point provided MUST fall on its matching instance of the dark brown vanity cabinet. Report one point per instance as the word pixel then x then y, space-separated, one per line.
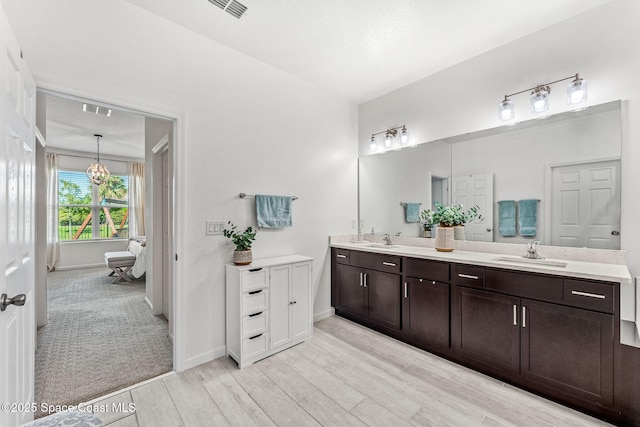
pixel 425 302
pixel 549 342
pixel 367 285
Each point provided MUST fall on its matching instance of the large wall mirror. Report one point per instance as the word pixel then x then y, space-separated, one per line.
pixel 567 165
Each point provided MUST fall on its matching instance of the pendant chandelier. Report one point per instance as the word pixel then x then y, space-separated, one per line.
pixel 97 172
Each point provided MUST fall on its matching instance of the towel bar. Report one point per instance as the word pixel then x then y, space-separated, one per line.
pixel 243 195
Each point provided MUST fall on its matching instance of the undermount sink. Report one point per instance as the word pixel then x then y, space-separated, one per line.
pixel 381 246
pixel 538 261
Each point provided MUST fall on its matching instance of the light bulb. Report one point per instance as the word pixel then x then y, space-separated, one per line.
pixel 577 91
pixel 404 136
pixel 506 110
pixel 540 99
pixel 373 145
pixel 388 139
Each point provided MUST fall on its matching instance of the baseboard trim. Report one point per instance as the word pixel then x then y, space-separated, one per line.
pixel 325 314
pixel 205 357
pixel 78 267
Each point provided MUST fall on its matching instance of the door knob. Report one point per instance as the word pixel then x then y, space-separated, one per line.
pixel 615 233
pixel 17 300
pixel 488 230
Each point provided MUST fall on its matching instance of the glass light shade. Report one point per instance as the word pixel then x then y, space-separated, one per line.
pixel 373 145
pixel 577 91
pixel 98 173
pixel 539 100
pixel 506 110
pixel 388 140
pixel 404 136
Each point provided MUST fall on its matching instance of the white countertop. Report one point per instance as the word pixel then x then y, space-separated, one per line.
pixel 563 267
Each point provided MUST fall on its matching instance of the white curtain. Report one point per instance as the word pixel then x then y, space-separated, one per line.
pixel 53 247
pixel 136 199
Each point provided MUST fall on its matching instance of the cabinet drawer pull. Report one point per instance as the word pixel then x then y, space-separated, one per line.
pixel 253 270
pixel 360 279
pixel 365 279
pixel 587 294
pixel 405 289
pixel 255 336
pixel 524 316
pixel 390 264
pixel 255 292
pixel 255 314
pixel 468 276
pixel 515 315
pixel 341 256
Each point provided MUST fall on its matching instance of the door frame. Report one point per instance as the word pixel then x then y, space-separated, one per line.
pixel 178 192
pixel 548 188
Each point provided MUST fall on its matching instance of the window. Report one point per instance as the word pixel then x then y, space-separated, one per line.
pixel 87 211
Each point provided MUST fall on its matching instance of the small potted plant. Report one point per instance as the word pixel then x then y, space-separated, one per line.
pixel 426 219
pixel 242 254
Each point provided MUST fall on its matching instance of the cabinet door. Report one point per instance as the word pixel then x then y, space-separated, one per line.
pixel 279 288
pixel 570 349
pixel 425 311
pixel 351 292
pixel 383 297
pixel 486 328
pixel 301 319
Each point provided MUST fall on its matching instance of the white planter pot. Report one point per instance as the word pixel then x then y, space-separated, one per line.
pixel 242 257
pixel 444 239
pixel 458 233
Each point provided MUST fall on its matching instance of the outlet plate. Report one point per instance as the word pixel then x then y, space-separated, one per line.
pixel 214 228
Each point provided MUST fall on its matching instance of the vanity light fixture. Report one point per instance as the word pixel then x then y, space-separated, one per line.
pixel 97 172
pixel 390 138
pixel 576 93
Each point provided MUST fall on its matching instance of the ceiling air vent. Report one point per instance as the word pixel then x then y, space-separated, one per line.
pixel 232 7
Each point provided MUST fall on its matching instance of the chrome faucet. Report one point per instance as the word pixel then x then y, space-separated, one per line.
pixel 387 239
pixel 532 250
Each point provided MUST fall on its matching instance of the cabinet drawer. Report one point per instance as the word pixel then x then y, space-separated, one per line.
pixel 380 262
pixel 467 275
pixel 255 345
pixel 525 285
pixel 255 279
pixel 590 295
pixel 341 255
pixel 254 323
pixel 425 269
pixel 255 301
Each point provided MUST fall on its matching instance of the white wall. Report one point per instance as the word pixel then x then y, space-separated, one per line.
pixel 244 127
pixel 464 98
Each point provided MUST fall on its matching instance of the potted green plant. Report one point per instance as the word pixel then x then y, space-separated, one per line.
pixel 426 220
pixel 455 216
pixel 242 254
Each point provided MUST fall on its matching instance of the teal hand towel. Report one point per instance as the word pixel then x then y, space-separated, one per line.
pixel 528 217
pixel 507 218
pixel 412 212
pixel 273 211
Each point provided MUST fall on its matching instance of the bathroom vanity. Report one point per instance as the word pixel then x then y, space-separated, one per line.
pixel 549 326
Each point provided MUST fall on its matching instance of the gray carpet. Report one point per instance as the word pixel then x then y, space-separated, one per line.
pixel 101 337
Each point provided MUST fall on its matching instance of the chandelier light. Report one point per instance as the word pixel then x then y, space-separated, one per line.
pixel 97 172
pixel 391 138
pixel 576 94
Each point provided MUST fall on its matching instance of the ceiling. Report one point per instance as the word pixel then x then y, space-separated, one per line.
pixel 69 127
pixel 358 50
pixel 361 49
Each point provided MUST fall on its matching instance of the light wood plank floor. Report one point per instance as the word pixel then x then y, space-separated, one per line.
pixel 347 375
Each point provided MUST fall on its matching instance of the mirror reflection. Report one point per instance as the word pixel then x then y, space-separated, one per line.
pixel 556 180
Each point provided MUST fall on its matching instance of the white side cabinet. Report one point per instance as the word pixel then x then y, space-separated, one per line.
pixel 269 306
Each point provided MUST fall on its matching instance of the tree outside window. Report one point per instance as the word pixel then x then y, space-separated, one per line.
pixel 87 211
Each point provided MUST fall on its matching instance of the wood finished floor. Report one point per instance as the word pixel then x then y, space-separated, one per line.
pixel 347 375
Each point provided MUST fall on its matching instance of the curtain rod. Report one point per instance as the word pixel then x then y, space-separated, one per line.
pixel 243 195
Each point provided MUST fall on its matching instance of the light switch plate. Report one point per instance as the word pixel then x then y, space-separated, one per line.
pixel 214 228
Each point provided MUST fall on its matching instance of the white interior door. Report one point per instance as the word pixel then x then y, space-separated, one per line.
pixel 585 205
pixel 166 206
pixel 476 190
pixel 17 159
